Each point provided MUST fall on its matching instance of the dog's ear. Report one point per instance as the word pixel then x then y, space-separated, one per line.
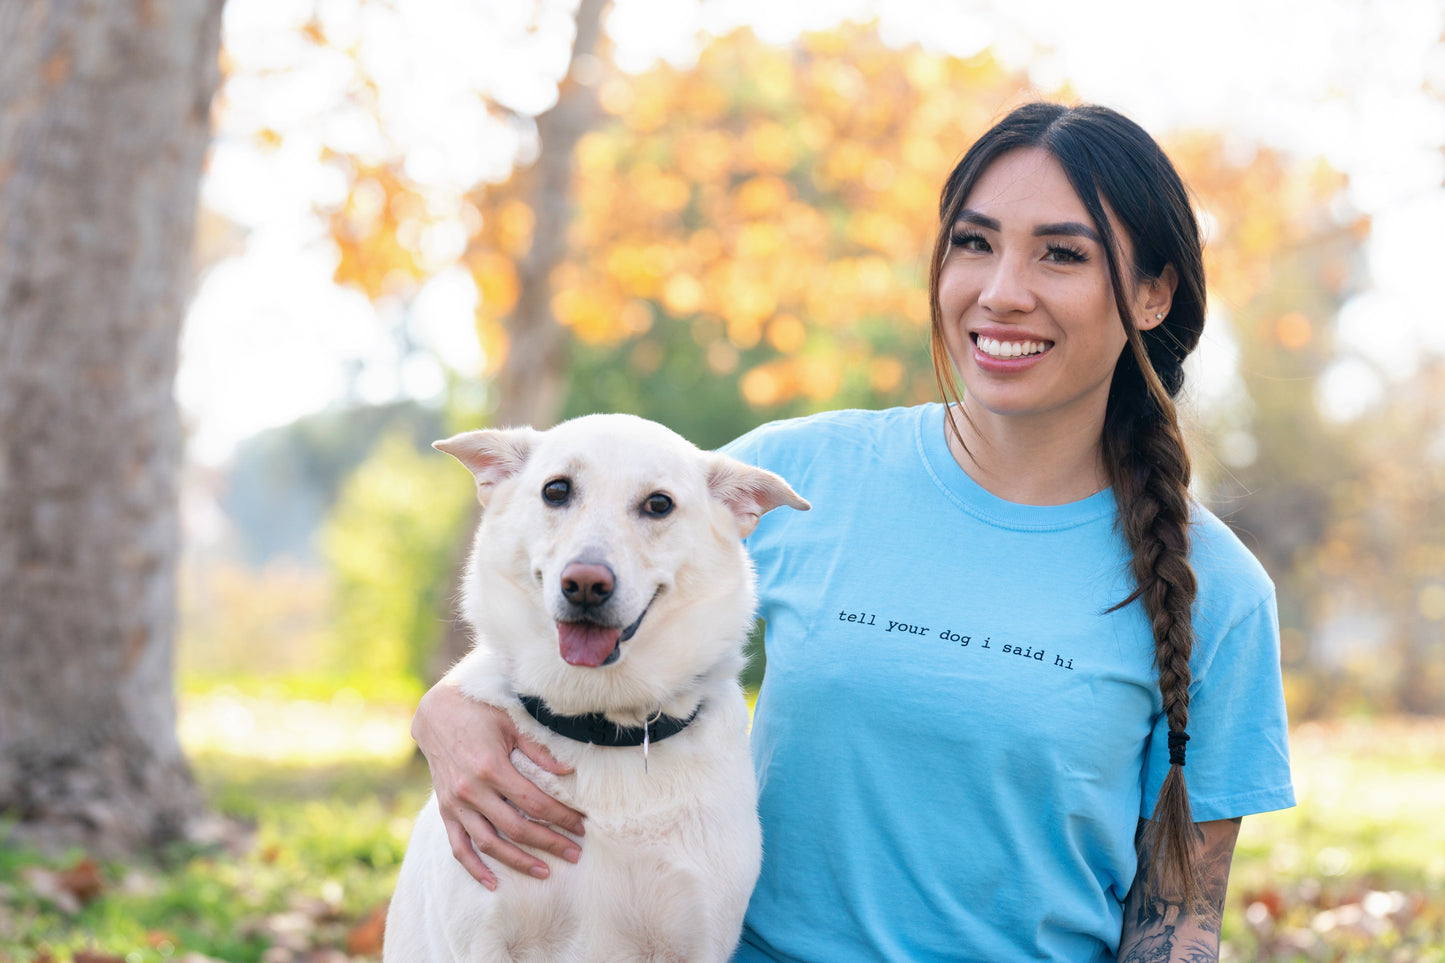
pixel 749 492
pixel 491 455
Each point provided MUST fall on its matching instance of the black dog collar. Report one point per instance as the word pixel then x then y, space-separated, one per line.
pixel 597 729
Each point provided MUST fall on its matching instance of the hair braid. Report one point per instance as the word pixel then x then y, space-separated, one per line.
pixel 1151 487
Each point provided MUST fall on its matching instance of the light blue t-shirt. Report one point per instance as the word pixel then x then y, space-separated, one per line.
pixel 954 739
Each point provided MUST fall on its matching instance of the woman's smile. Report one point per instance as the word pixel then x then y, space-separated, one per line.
pixel 1000 350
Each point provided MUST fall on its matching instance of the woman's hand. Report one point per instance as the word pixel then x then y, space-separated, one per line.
pixel 481 795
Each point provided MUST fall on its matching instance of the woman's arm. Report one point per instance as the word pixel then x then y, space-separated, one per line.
pixel 486 804
pixel 1162 929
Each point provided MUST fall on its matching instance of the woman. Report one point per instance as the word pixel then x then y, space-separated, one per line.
pixel 991 639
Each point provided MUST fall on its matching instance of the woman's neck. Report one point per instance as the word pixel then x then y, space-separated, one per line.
pixel 1028 461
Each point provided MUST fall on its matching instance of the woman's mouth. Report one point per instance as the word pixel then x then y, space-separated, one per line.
pixel 1003 350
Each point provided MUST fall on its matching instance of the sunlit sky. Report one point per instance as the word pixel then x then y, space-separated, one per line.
pixel 269 338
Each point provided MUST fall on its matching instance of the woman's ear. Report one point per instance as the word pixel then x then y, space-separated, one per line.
pixel 1156 297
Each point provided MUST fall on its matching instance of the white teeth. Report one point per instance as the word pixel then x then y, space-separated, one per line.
pixel 1009 349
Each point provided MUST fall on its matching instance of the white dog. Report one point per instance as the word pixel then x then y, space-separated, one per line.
pixel 610 597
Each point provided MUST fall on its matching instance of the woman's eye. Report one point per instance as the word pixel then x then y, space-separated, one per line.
pixel 657 505
pixel 968 241
pixel 1061 254
pixel 557 491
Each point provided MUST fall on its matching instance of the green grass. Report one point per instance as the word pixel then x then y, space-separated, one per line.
pixel 316 851
pixel 1356 873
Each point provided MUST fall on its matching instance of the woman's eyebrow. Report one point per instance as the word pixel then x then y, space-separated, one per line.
pixel 1057 229
pixel 1068 229
pixel 970 216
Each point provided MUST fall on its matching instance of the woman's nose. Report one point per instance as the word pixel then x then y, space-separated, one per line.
pixel 1006 290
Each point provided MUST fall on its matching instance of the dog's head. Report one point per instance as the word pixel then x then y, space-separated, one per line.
pixel 608 571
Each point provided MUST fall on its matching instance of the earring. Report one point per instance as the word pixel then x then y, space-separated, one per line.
pixel 1159 316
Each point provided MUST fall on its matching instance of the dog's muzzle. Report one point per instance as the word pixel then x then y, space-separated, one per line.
pixel 583 642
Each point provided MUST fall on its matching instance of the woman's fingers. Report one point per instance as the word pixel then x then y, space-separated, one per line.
pixel 533 803
pixel 465 854
pixel 501 811
pixel 496 830
pixel 511 832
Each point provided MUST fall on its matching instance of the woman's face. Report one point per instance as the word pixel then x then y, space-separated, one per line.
pixel 1028 313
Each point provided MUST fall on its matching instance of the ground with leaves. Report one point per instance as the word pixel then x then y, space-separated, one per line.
pixel 304 869
pixel 1356 872
pixel 305 879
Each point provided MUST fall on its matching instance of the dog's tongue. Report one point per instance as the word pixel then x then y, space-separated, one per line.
pixel 585 643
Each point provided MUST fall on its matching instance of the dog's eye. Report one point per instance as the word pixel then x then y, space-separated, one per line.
pixel 657 505
pixel 557 491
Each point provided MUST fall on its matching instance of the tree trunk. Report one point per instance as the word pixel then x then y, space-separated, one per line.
pixel 530 386
pixel 104 122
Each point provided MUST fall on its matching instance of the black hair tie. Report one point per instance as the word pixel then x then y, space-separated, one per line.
pixel 1176 747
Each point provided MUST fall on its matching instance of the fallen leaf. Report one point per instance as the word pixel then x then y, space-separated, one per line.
pixel 1270 899
pixel 83 880
pixel 365 937
pixel 69 889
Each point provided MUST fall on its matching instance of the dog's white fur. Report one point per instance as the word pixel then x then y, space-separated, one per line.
pixel 672 847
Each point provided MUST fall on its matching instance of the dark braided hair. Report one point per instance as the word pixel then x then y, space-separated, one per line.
pixel 1110 160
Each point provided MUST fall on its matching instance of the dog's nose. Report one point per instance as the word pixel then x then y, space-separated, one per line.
pixel 587 583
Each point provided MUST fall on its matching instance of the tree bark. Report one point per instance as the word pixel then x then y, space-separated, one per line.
pixel 104 123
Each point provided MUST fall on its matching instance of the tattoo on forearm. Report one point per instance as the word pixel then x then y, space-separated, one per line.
pixel 1159 927
pixel 1155 948
pixel 1199 952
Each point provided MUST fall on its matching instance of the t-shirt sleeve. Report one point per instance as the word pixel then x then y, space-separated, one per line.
pixel 1237 758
